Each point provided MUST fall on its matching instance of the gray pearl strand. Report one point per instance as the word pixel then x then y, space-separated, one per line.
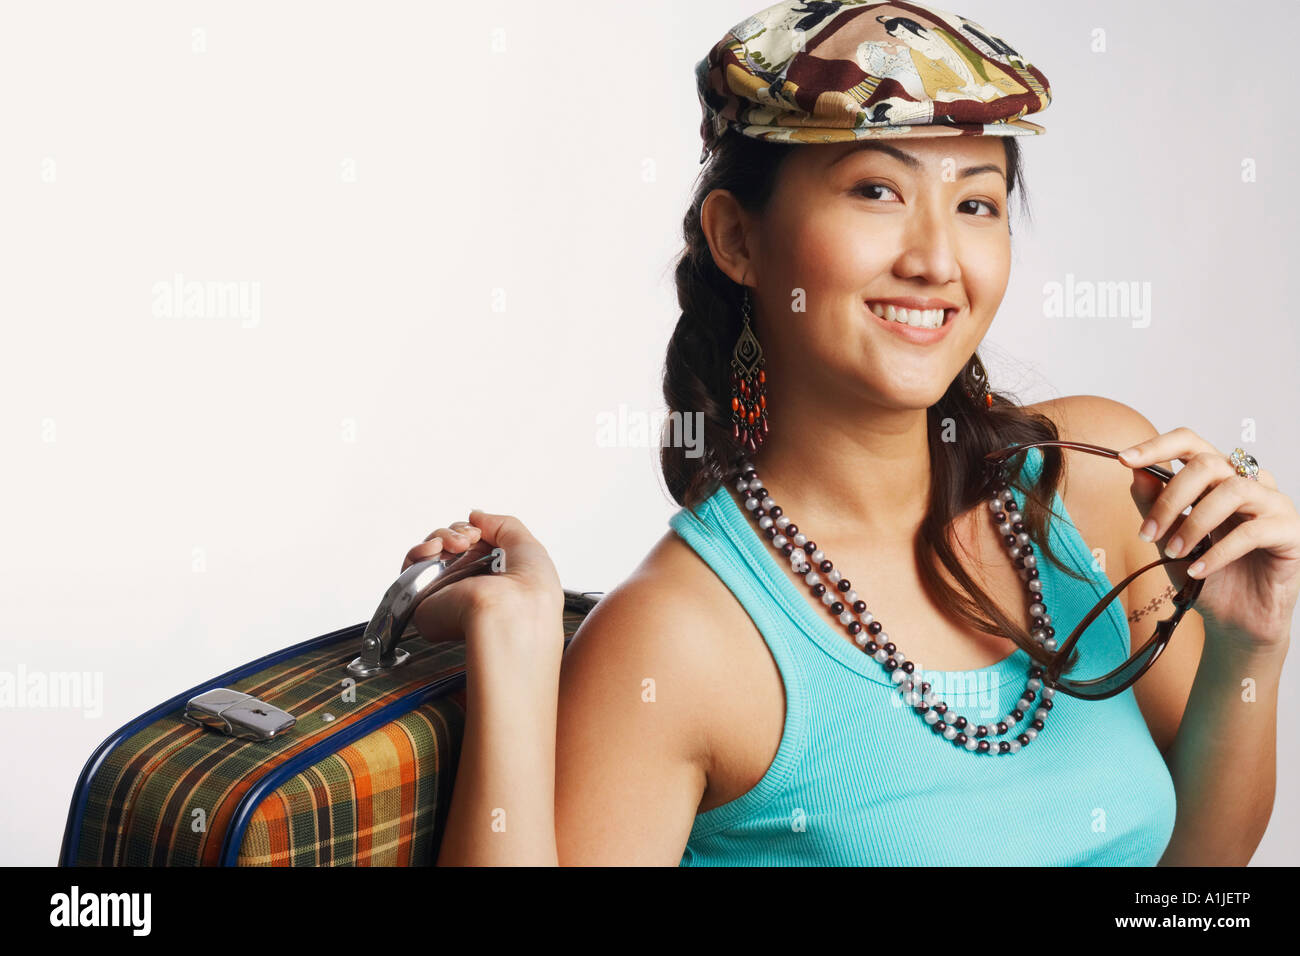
pixel 863 628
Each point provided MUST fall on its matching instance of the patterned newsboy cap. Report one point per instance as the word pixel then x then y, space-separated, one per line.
pixel 825 71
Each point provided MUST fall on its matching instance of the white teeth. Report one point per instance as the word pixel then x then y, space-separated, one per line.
pixel 922 318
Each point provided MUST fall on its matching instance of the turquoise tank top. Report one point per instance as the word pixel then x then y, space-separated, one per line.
pixel 861 780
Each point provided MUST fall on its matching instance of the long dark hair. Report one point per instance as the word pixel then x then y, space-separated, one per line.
pixel 695 380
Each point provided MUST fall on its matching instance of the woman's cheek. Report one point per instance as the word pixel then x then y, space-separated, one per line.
pixel 835 253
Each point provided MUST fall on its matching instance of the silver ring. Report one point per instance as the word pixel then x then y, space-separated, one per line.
pixel 1245 465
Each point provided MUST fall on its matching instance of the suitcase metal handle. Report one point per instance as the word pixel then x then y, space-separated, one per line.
pixel 379 650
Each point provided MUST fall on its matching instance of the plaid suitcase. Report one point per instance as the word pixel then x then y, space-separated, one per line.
pixel 339 751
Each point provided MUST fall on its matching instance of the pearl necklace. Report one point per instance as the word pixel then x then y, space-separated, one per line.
pixel 868 634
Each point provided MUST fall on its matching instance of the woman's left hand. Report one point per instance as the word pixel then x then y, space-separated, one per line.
pixel 1252 569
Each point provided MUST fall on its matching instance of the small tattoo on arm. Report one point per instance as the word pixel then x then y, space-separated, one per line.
pixel 1151 605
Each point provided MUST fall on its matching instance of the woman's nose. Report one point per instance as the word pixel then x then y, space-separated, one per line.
pixel 928 247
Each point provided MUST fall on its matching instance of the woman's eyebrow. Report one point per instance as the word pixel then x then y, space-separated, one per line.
pixel 986 168
pixel 911 162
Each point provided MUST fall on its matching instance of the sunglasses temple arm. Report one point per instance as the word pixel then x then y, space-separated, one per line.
pixel 995 459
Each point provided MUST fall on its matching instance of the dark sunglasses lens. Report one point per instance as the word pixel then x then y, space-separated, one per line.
pixel 1117 679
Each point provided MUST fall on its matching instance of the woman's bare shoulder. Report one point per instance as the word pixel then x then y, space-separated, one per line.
pixel 667 601
pixel 672 622
pixel 1096 419
pixel 1099 487
pixel 636 725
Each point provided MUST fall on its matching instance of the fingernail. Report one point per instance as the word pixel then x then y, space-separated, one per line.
pixel 1148 530
pixel 1174 548
pixel 1195 570
pixel 1129 454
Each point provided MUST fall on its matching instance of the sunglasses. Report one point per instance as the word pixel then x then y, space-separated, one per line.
pixel 1124 676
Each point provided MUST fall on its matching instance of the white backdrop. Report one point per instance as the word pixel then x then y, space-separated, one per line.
pixel 451 229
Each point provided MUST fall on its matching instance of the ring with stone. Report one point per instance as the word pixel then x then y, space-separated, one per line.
pixel 1246 465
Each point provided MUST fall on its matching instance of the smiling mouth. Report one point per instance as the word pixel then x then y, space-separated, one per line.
pixel 918 318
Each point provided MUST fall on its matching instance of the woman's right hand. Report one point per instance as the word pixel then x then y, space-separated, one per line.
pixel 513 611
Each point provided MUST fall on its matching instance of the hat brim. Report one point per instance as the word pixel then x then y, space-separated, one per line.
pixel 809 134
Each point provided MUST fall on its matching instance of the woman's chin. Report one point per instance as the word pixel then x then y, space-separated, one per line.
pixel 914 399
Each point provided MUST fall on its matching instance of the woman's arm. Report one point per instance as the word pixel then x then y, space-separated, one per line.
pixel 1210 703
pixel 637 696
pixel 1224 757
pixel 610 769
pixel 503 802
pixel 1211 706
pixel 503 806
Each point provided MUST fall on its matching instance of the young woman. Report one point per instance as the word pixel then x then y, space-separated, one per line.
pixel 730 702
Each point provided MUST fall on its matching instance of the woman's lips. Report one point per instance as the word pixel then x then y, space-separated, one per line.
pixel 915 333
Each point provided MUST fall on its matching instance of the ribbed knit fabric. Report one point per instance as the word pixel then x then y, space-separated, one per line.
pixel 859 779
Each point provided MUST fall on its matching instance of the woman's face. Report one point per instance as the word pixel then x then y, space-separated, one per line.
pixel 852 224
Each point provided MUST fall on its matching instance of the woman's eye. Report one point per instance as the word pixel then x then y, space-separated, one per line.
pixel 881 191
pixel 992 209
pixel 868 190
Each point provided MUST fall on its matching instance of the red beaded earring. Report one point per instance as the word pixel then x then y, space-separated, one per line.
pixel 748 386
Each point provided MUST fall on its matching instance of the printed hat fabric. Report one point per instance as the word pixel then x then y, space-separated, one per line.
pixel 826 71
